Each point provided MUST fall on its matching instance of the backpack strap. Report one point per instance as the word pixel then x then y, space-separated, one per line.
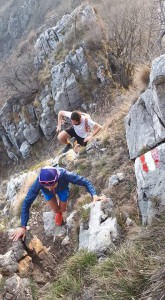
pixel 87 128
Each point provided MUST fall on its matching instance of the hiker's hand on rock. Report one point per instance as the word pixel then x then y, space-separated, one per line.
pixel 98 198
pixel 19 232
pixel 58 129
pixel 88 138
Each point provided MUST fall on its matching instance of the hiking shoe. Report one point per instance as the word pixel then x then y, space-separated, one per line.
pixel 67 148
pixel 58 218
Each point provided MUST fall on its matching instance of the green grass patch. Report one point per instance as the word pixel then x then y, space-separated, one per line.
pixel 85 214
pixel 34 289
pixel 64 285
pixel 72 279
pixel 80 263
pixel 2 284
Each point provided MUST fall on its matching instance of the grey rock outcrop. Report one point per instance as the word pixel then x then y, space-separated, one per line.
pixel 8 265
pixel 48 41
pixel 102 231
pixel 13 23
pixel 65 90
pixel 31 134
pixel 17 288
pixel 150 175
pixel 48 120
pixel 14 132
pixel 145 123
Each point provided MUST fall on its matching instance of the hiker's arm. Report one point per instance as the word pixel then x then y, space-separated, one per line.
pixel 29 199
pixel 61 114
pixel 81 181
pixel 96 128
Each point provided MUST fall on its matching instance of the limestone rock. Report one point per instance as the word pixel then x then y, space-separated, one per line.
pixel 102 233
pixel 145 122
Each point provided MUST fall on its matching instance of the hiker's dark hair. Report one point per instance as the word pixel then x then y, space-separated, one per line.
pixel 76 116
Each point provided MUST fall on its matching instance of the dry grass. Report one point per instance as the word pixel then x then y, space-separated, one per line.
pixel 141 76
pixel 44 75
pixel 123 275
pixel 16 208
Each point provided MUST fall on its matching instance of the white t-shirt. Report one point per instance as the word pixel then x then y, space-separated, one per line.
pixel 81 129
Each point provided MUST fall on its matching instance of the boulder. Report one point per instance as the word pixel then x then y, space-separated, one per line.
pixel 49 226
pixel 102 232
pixel 145 122
pixel 18 288
pixel 144 128
pixel 25 149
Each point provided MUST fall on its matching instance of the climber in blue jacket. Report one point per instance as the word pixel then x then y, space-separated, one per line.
pixel 52 181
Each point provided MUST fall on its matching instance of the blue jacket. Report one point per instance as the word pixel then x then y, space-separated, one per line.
pixel 65 177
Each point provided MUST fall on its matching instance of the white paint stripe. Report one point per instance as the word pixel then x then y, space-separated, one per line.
pixel 150 161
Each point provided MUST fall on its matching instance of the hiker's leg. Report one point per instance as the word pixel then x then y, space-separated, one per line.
pixel 63 197
pixel 63 206
pixel 63 137
pixel 53 204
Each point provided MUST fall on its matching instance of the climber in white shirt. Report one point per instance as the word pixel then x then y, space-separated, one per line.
pixel 83 129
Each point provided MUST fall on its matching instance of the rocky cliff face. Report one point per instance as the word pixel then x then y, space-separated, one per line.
pixel 22 121
pixel 13 23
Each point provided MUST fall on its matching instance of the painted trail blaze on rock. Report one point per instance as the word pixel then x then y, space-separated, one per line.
pixel 150 160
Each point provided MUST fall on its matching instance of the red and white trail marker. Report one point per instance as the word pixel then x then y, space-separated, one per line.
pixel 150 160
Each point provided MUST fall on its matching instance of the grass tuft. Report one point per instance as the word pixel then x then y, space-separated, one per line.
pixel 72 278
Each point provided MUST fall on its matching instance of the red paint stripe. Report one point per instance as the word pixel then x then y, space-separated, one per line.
pixel 144 164
pixel 142 158
pixel 145 167
pixel 155 156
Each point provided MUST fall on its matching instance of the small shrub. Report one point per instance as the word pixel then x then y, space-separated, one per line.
pixel 85 214
pixel 141 76
pixel 44 75
pixel 36 103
